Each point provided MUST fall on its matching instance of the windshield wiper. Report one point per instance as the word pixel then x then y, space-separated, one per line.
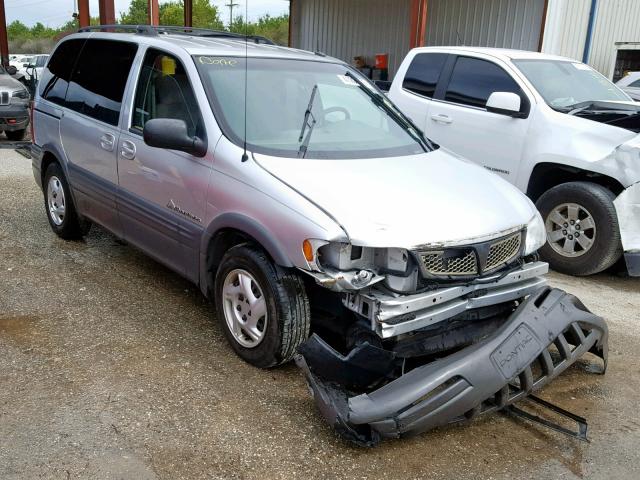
pixel 304 141
pixel 409 127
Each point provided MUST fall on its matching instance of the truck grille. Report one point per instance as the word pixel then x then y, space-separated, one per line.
pixel 502 251
pixel 5 98
pixel 473 259
pixel 450 263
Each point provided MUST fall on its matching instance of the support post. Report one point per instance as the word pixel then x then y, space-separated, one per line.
pixel 418 24
pixel 188 13
pixel 84 18
pixel 153 13
pixel 4 42
pixel 107 12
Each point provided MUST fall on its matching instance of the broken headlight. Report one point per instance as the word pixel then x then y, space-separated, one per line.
pixel 536 234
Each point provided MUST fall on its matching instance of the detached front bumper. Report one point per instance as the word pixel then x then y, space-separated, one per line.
pixel 627 206
pixel 547 333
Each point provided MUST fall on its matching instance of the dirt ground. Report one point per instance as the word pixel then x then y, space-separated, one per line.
pixel 112 367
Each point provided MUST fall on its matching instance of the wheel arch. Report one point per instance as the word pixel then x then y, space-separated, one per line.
pixel 230 230
pixel 546 175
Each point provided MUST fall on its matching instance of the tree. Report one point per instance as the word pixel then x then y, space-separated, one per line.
pixel 137 13
pixel 273 28
pixel 17 29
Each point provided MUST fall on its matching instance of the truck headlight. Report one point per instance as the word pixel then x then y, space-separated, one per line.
pixel 536 234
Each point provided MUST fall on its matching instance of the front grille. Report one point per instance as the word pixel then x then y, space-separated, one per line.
pixel 471 260
pixel 453 262
pixel 5 98
pixel 503 251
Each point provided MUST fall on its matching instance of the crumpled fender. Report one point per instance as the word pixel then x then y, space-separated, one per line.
pixel 546 334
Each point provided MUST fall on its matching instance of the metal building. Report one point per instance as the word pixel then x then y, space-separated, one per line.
pixel 604 33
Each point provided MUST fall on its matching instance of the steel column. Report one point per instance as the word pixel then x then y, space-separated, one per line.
pixel 84 18
pixel 418 24
pixel 4 42
pixel 107 12
pixel 188 13
pixel 153 12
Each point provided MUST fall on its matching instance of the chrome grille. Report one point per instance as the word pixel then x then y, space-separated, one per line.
pixel 461 262
pixel 502 251
pixel 5 98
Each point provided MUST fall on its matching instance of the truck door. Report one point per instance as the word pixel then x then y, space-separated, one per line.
pixel 413 95
pixel 459 121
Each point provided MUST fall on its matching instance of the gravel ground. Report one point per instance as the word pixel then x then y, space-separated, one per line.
pixel 111 367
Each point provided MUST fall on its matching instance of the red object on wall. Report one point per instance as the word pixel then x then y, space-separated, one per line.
pixel 382 61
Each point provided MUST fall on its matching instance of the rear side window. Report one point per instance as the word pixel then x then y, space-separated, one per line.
pixel 164 91
pixel 55 77
pixel 99 79
pixel 473 80
pixel 424 72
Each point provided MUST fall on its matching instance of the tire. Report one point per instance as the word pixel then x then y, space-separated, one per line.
pixel 66 224
pixel 287 321
pixel 582 200
pixel 16 135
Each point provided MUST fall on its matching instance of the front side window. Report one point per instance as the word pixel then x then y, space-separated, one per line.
pixel 55 77
pixel 424 72
pixel 164 91
pixel 304 109
pixel 99 79
pixel 473 80
pixel 635 84
pixel 563 83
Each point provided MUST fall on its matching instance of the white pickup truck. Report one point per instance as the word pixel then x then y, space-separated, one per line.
pixel 554 127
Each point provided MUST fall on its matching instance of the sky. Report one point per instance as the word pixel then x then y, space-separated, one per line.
pixel 57 12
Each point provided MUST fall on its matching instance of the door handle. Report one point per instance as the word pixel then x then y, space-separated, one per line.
pixel 442 118
pixel 107 141
pixel 128 150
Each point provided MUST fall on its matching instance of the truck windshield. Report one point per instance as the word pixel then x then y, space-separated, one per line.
pixel 304 109
pixel 564 84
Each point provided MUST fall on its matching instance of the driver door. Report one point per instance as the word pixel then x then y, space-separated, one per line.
pixel 163 192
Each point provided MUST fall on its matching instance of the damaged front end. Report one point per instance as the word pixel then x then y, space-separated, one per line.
pixel 473 363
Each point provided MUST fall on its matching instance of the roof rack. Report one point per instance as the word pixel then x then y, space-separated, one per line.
pixel 151 30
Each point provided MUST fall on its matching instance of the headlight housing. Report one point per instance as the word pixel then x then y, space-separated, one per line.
pixel 23 94
pixel 536 234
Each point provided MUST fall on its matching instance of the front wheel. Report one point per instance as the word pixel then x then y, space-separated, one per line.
pixel 583 235
pixel 262 308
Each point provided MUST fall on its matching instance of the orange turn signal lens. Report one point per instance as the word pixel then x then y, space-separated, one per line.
pixel 307 249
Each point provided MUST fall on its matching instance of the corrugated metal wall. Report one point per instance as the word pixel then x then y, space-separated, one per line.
pixel 616 21
pixel 486 23
pixel 566 27
pixel 347 28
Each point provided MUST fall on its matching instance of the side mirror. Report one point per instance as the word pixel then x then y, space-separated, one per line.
pixel 11 70
pixel 505 103
pixel 172 134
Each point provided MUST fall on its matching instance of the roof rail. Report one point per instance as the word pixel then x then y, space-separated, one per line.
pixel 176 30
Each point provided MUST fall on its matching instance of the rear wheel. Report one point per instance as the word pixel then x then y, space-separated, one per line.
pixel 61 211
pixel 583 236
pixel 262 308
pixel 16 135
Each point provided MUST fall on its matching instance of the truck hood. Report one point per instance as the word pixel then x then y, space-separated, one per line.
pixel 9 83
pixel 429 199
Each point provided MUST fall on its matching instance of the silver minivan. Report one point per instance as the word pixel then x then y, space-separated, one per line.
pixel 317 217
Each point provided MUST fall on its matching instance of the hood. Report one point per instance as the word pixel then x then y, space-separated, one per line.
pixel 405 202
pixel 9 83
pixel 618 114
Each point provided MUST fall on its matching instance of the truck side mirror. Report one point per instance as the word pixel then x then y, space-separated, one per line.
pixel 505 103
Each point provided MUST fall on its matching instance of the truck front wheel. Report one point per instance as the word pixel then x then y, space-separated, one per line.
pixel 583 236
pixel 262 308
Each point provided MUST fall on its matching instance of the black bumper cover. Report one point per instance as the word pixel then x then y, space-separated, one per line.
pixel 542 337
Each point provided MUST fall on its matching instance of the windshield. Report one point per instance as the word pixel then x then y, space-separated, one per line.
pixel 305 109
pixel 564 84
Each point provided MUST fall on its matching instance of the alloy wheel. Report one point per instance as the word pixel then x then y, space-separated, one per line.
pixel 571 230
